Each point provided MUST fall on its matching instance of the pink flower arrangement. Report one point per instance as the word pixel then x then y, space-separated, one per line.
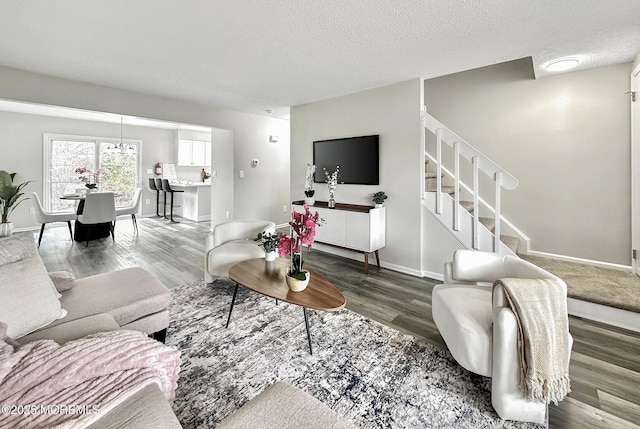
pixel 303 226
pixel 88 177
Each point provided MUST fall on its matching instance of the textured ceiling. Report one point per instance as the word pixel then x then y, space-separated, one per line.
pixel 253 55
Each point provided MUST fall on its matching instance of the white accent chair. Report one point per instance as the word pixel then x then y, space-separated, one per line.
pixel 480 329
pixel 132 209
pixel 45 217
pixel 233 242
pixel 99 207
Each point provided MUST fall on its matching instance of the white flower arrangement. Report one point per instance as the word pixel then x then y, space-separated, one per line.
pixel 308 183
pixel 332 179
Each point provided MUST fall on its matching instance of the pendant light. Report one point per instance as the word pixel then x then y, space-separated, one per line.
pixel 121 145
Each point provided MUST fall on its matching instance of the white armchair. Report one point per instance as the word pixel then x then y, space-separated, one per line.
pixel 480 329
pixel 233 242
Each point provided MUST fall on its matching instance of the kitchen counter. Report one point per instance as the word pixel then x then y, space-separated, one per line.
pixel 195 201
pixel 190 185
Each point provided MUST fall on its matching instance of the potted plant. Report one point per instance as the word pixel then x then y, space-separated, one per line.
pixel 378 198
pixel 303 227
pixel 89 178
pixel 10 197
pixel 269 242
pixel 308 185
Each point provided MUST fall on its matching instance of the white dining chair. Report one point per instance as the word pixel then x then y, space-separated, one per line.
pixel 132 209
pixel 99 208
pixel 45 217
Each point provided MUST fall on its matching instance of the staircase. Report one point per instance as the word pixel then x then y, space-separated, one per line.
pixel 458 207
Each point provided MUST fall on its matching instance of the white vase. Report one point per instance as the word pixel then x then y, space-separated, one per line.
pixel 6 229
pixel 376 205
pixel 270 256
pixel 309 201
pixel 296 285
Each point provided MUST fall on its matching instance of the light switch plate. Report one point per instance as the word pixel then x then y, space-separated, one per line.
pixel 241 174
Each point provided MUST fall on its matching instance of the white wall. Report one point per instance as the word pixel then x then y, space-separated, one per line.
pixel 264 190
pixel 565 137
pixel 221 144
pixel 438 246
pixel 267 192
pixel 393 112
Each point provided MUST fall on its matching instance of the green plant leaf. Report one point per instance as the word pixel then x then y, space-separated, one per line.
pixel 300 276
pixel 7 192
pixel 5 179
pixel 10 196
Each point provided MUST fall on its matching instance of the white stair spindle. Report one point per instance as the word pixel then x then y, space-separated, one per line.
pixel 465 225
pixel 496 231
pixel 456 184
pixel 439 171
pixel 476 211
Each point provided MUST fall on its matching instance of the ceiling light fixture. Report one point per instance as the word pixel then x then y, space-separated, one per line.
pixel 122 148
pixel 562 64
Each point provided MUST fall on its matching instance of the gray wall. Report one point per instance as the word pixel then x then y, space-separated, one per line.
pixel 251 133
pixel 393 113
pixel 565 137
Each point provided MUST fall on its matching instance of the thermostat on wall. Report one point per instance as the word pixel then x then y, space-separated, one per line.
pixel 255 163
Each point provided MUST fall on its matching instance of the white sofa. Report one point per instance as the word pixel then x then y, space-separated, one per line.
pixel 233 242
pixel 37 305
pixel 480 329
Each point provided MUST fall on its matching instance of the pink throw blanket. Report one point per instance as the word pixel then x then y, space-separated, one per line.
pixel 44 384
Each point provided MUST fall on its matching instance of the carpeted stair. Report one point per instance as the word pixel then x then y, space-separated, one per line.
pixel 488 222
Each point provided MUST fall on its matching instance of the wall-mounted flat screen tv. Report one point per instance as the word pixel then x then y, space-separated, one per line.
pixel 357 157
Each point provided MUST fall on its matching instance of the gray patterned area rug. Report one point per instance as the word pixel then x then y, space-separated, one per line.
pixel 371 374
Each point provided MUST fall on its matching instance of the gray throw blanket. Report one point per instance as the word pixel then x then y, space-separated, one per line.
pixel 540 306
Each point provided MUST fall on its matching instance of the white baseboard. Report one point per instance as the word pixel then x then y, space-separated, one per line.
pixel 604 314
pixel 580 260
pixel 31 228
pixel 433 275
pixel 401 269
pixel 360 258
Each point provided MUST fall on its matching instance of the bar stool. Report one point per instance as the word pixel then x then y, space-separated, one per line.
pixel 166 187
pixel 164 197
pixel 153 187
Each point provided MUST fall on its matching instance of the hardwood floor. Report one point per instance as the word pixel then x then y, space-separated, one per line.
pixel 174 252
pixel 605 363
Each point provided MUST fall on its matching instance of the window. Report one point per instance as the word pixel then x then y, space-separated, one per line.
pixel 119 163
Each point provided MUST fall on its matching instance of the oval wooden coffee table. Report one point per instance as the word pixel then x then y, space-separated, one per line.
pixel 267 278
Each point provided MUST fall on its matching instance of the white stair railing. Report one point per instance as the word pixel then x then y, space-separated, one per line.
pixel 480 163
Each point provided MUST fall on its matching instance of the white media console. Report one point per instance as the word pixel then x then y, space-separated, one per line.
pixel 351 227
